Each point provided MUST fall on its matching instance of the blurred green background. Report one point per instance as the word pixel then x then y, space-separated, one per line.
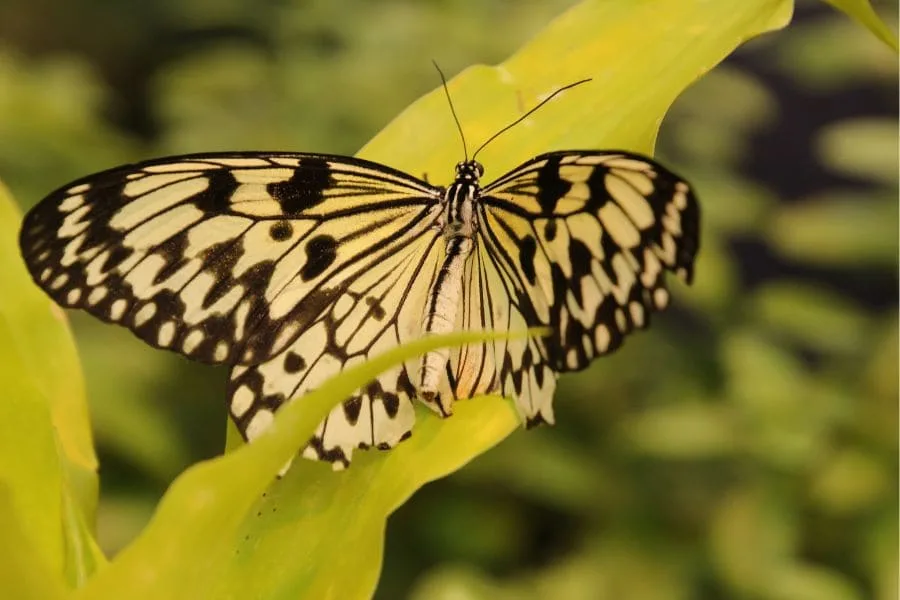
pixel 745 447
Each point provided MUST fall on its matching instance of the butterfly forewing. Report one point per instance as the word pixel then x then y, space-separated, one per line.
pixel 225 258
pixel 586 238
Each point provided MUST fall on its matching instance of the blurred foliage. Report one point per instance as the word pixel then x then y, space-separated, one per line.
pixel 745 447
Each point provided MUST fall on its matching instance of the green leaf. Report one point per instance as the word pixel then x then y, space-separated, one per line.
pixel 810 581
pixel 817 318
pixel 687 431
pixel 806 57
pixel 216 533
pixel 861 11
pixel 753 534
pixel 46 453
pixel 851 481
pixel 769 390
pixel 864 148
pixel 840 228
pixel 24 572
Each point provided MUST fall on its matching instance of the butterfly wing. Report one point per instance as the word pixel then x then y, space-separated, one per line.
pixel 382 306
pixel 514 367
pixel 225 258
pixel 582 241
pixel 289 267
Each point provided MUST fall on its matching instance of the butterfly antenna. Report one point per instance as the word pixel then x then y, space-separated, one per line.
pixel 526 115
pixel 453 110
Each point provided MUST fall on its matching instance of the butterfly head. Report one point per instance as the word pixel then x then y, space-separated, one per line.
pixel 470 170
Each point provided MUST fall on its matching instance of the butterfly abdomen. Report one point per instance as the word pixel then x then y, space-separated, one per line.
pixel 445 294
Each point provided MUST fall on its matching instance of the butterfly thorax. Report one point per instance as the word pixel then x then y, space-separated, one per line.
pixel 460 225
pixel 459 202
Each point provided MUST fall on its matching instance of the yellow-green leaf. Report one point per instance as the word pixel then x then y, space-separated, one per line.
pixel 46 454
pixel 227 528
pixel 24 571
pixel 861 11
pixel 838 228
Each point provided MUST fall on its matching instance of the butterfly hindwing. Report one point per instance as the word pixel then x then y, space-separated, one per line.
pixel 587 237
pixel 512 366
pixel 380 307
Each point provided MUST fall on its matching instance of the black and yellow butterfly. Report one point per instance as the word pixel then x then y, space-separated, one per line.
pixel 291 267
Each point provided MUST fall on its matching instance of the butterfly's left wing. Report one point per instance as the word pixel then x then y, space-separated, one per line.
pixel 287 266
pixel 224 258
pixel 579 241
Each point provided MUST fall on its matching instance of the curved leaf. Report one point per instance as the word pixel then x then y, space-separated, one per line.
pixel 216 533
pixel 46 454
pixel 861 11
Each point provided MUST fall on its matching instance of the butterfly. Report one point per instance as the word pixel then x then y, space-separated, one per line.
pixel 291 267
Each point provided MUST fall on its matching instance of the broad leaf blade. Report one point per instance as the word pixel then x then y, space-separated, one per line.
pixel 205 537
pixel 46 453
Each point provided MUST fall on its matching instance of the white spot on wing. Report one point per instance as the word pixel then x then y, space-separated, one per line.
pixel 193 339
pixel 260 422
pixel 72 225
pixel 144 314
pixel 221 351
pixel 97 294
pixel 60 281
pixel 166 334
pixel 79 189
pixel 72 202
pixel 660 298
pixel 159 229
pixel 117 309
pixel 71 252
pixel 139 187
pixel 138 211
pixel 602 338
pixel 180 166
pixel 637 313
pixel 680 198
pixel 285 161
pixel 241 401
pixel 241 162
